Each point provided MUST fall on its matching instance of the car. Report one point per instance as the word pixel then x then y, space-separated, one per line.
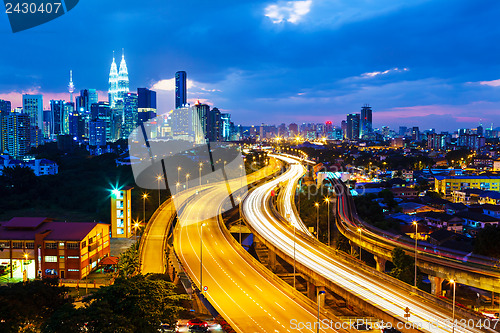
pixel 197 325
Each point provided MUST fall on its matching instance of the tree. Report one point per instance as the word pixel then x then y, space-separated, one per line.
pixel 404 266
pixel 487 242
pixel 24 307
pixel 18 179
pixel 137 304
pixel 128 264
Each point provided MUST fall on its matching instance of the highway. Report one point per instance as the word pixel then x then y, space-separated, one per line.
pixel 248 297
pixel 312 255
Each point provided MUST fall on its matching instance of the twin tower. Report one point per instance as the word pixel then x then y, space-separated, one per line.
pixel 118 81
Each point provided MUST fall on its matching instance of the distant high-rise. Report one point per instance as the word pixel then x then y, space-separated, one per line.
pixel 415 133
pixel 182 123
pixel 85 100
pixel 353 121
pixel 57 117
pixel 33 107
pixel 130 114
pixel 200 117
pixel 293 129
pixel 113 83
pixel 366 126
pixel 402 130
pixel 146 104
pixel 123 82
pixel 118 81
pixel 180 89
pixel 16 131
pixel 226 126
pixel 214 125
pixel 102 111
pixel 5 108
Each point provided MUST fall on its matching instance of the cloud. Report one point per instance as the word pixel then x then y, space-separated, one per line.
pixel 493 83
pixel 374 74
pixel 169 85
pixel 288 11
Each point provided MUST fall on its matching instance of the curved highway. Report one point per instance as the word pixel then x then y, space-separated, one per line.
pixel 311 254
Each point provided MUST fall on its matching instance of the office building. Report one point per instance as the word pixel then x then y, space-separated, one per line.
pixel 436 141
pixel 146 105
pixel 293 130
pixel 214 125
pixel 123 82
pixel 45 249
pixel 403 130
pixel 97 132
pixel 366 126
pixel 16 131
pixel 121 212
pixel 102 111
pixel 33 107
pixel 415 134
pixel 182 124
pixel 130 114
pixel 226 125
pixel 446 185
pixel 353 126
pixel 180 89
pixel 200 116
pixel 5 108
pixel 118 81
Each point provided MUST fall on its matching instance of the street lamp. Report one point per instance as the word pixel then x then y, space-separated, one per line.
pixel 416 235
pixel 159 178
pixel 144 197
pixel 316 204
pixel 327 200
pixel 201 165
pixel 201 257
pixel 239 202
pixel 453 312
pixel 320 293
pixel 25 273
pixel 359 231
pixel 187 183
pixel 136 226
pixel 178 174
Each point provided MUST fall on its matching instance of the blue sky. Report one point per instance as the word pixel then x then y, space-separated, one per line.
pixel 432 64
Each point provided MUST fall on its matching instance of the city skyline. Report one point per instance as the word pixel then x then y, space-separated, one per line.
pixel 307 63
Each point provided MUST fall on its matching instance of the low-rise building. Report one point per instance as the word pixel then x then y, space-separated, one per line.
pixel 448 184
pixel 39 247
pixel 477 220
pixel 41 167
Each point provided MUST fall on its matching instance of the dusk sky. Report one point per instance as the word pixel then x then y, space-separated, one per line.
pixel 433 64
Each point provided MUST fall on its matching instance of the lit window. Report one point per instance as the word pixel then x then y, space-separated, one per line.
pixel 50 258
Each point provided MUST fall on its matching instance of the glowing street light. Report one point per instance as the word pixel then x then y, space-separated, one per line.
pixel 136 226
pixel 201 166
pixel 327 200
pixel 453 312
pixel 416 235
pixel 159 178
pixel 316 204
pixel 187 183
pixel 178 174
pixel 144 197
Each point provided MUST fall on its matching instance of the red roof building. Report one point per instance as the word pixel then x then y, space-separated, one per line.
pixel 38 247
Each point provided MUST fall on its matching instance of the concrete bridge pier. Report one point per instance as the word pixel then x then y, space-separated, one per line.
pixel 311 290
pixel 321 299
pixel 436 285
pixel 354 248
pixel 272 260
pixel 380 263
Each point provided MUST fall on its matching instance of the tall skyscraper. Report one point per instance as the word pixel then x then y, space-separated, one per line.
pixel 402 130
pixel 130 114
pixel 146 104
pixel 366 121
pixel 200 117
pixel 415 133
pixel 57 112
pixel 33 107
pixel 5 108
pixel 102 111
pixel 86 99
pixel 226 126
pixel 113 83
pixel 180 89
pixel 214 125
pixel 123 83
pixel 182 124
pixel 16 133
pixel 353 121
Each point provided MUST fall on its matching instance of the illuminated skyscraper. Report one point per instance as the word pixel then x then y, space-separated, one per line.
pixel 33 107
pixel 366 121
pixel 200 116
pixel 146 104
pixel 353 126
pixel 113 83
pixel 71 87
pixel 180 89
pixel 123 83
pixel 16 127
pixel 130 115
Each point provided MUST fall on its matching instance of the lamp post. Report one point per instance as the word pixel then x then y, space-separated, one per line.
pixel 187 179
pixel 241 176
pixel 316 204
pixel 201 165
pixel 178 174
pixel 320 293
pixel 201 257
pixel 453 312
pixel 158 178
pixel 25 273
pixel 144 197
pixel 136 226
pixel 327 200
pixel 359 231
pixel 239 202
pixel 416 235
